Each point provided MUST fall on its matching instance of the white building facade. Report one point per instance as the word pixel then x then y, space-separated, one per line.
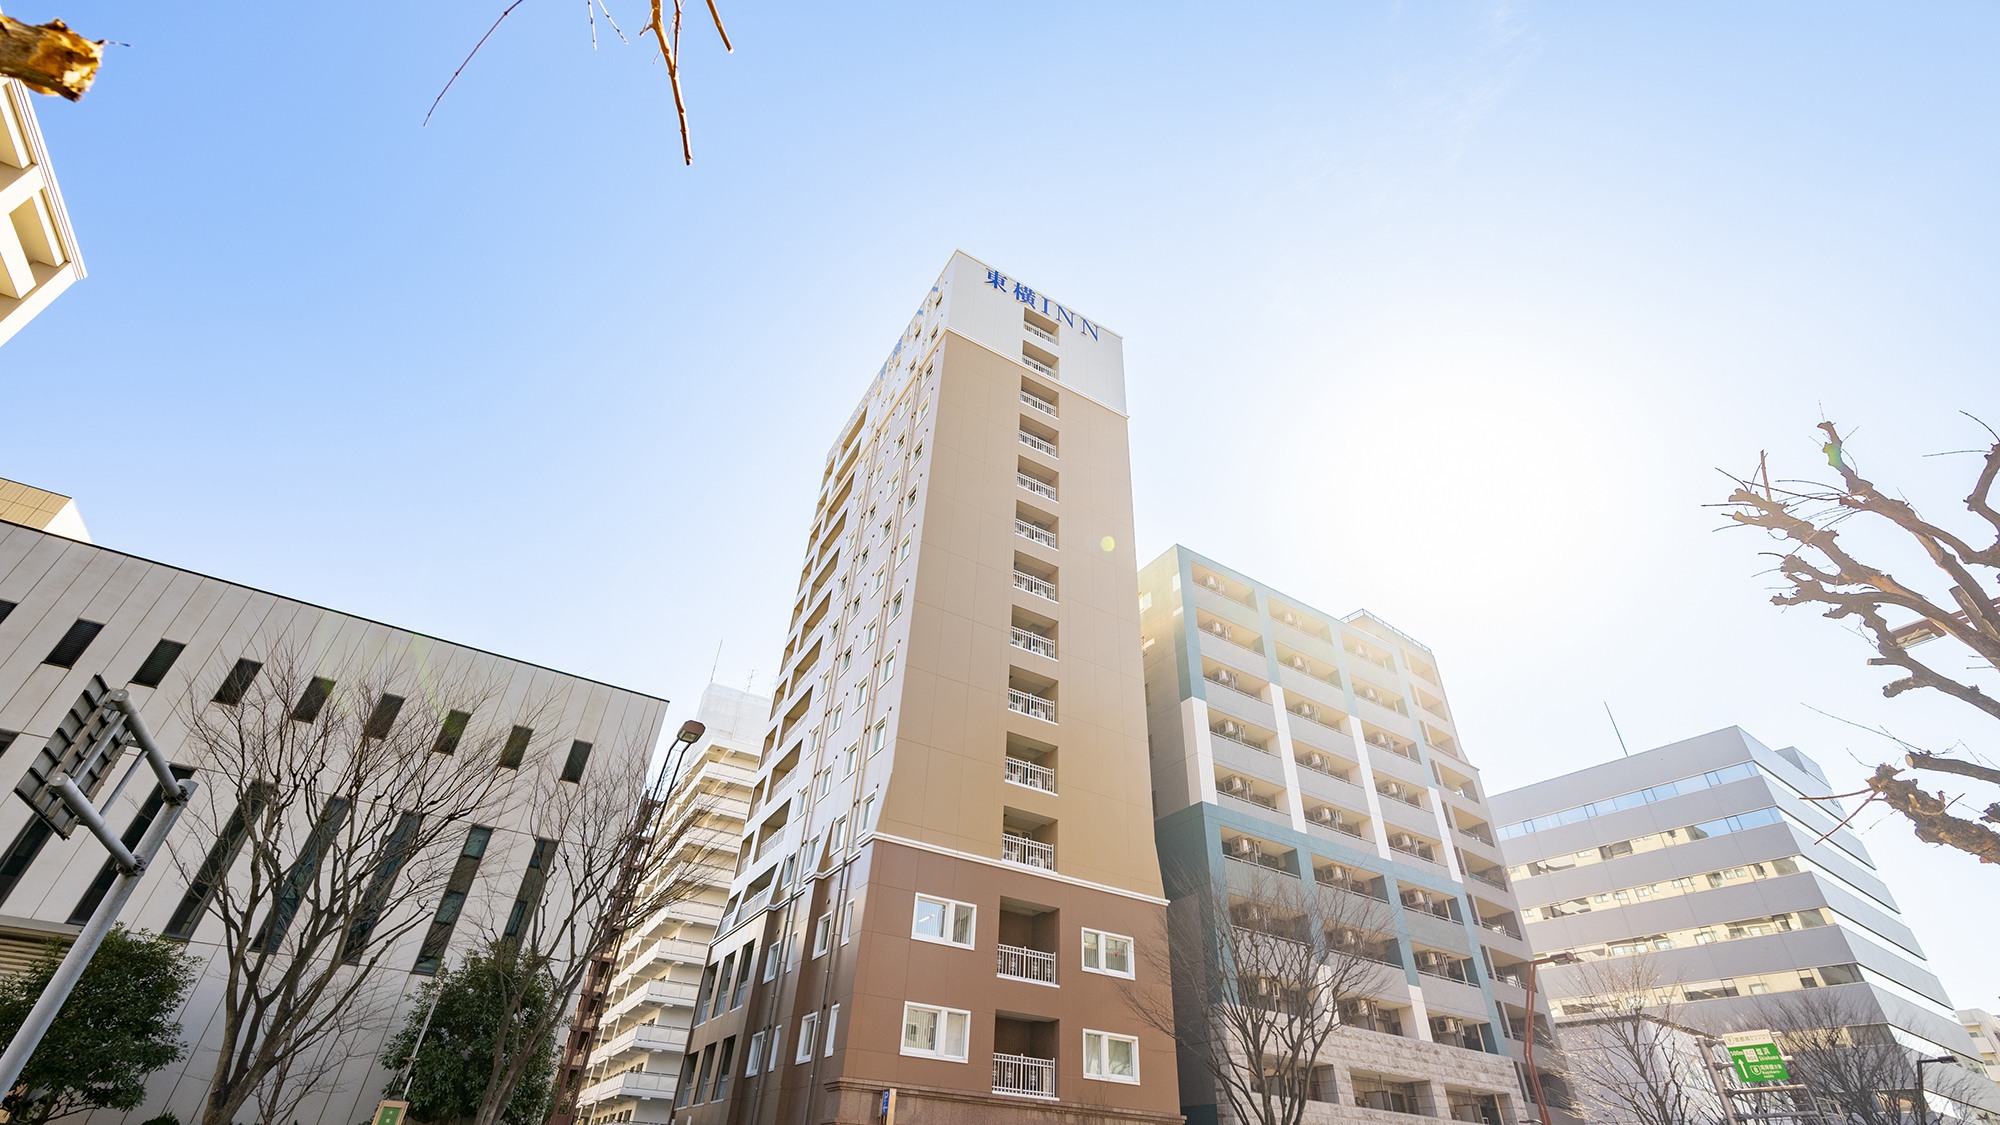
pixel 38 255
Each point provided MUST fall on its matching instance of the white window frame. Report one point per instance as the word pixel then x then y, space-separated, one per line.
pixel 1102 1062
pixel 832 1025
pixel 755 1057
pixel 950 905
pixel 823 934
pixel 773 957
pixel 808 1037
pixel 888 667
pixel 1131 953
pixel 847 922
pixel 777 1049
pixel 895 607
pixel 881 738
pixel 943 1015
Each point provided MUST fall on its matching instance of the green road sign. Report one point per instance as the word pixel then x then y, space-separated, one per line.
pixel 391 1112
pixel 1755 1056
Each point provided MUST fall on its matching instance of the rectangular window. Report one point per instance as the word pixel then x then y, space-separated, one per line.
pixel 888 667
pixel 26 846
pixel 707 1071
pixel 823 934
pixel 723 1061
pixel 903 552
pixel 836 840
pixel 431 955
pixel 450 732
pixel 684 1089
pixel 516 750
pixel 383 718
pixel 754 1058
pixel 910 501
pixel 881 737
pixel 868 635
pixel 215 866
pixel 943 920
pixel 742 991
pixel 579 753
pixel 1110 1058
pixel 1110 954
pixel 777 1045
pixel 847 922
pixel 771 955
pixel 867 822
pixel 70 648
pixel 937 1033
pixel 703 993
pixel 6 608
pixel 237 683
pixel 895 607
pixel 312 700
pixel 808 1034
pixel 532 880
pixel 395 852
pixel 832 1025
pixel 304 871
pixel 101 885
pixel 847 759
pixel 158 663
pixel 861 695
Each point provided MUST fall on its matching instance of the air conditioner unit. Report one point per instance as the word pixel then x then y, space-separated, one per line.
pixel 1291 618
pixel 1450 1025
pixel 1380 740
pixel 1393 789
pixel 1314 760
pixel 1309 711
pixel 1225 677
pixel 1325 815
pixel 1349 937
pixel 1236 785
pixel 1416 898
pixel 1430 960
pixel 1370 694
pixel 1299 662
pixel 1229 729
pixel 1244 845
pixel 1403 840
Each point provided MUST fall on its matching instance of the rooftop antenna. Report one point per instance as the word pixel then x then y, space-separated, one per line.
pixel 718 662
pixel 1614 729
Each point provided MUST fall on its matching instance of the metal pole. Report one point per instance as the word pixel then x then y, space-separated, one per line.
pixel 422 1029
pixel 155 757
pixel 1715 1080
pixel 1534 1076
pixel 92 819
pixel 15 1058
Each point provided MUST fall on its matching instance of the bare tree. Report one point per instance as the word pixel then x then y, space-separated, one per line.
pixel 337 802
pixel 1847 1056
pixel 1632 1061
pixel 1948 593
pixel 1265 971
pixel 612 853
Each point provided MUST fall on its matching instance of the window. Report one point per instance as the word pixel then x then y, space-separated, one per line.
pixel 861 695
pixel 237 683
pixel 847 922
pixel 215 866
pixel 895 607
pixel 6 608
pixel 888 667
pixel 808 1033
pixel 910 501
pixel 383 717
pixel 943 920
pixel 701 1084
pixel 516 750
pixel 723 1062
pixel 823 934
pixel 401 842
pixel 881 737
pixel 771 954
pixel 532 881
pixel 579 753
pixel 1110 954
pixel 755 1056
pixel 881 576
pixel 1110 1058
pixel 450 731
pixel 836 840
pixel 867 822
pixel 26 846
pixel 903 552
pixel 848 758
pixel 938 1033
pixel 101 885
pixel 777 1043
pixel 73 642
pixel 157 662
pixel 847 658
pixel 312 700
pixel 832 1025
pixel 868 635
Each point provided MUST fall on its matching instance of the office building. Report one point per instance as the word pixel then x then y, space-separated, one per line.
pixel 192 649
pixel 1712 875
pixel 947 863
pixel 1321 747
pixel 638 1037
pixel 42 510
pixel 38 255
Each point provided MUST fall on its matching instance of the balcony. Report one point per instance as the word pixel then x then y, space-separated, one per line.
pixel 1396 792
pixel 1495 879
pixel 663 993
pixel 1027 851
pixel 1038 444
pixel 1045 369
pixel 1328 765
pixel 1038 331
pixel 1328 817
pixel 1405 844
pixel 1020 963
pixel 631 1084
pixel 1033 642
pixel 1036 402
pixel 1036 532
pixel 1031 775
pixel 1034 585
pixel 1035 485
pixel 645 1037
pixel 1023 1076
pixel 1031 705
pixel 1236 732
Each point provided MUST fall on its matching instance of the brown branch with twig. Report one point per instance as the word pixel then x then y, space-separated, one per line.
pixel 49 58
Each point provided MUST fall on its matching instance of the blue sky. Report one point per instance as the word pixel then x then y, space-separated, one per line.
pixel 1451 310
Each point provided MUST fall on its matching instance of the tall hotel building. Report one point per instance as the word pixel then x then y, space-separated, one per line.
pixel 949 855
pixel 1701 873
pixel 38 254
pixel 1290 741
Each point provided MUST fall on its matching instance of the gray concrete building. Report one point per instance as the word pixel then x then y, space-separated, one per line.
pixel 1700 876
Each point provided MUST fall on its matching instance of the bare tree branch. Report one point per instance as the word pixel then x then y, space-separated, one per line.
pixel 49 59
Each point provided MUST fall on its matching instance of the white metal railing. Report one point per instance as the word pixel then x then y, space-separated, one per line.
pixel 1021 1076
pixel 1034 642
pixel 1037 330
pixel 1034 585
pixel 1038 444
pixel 1035 485
pixel 1027 530
pixel 1038 402
pixel 1038 365
pixel 1023 772
pixel 1031 705
pixel 1027 852
pixel 1027 964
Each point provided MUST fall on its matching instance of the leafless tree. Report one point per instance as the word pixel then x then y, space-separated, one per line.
pixel 618 853
pixel 1265 971
pixel 336 802
pixel 1846 1056
pixel 1947 593
pixel 1632 1061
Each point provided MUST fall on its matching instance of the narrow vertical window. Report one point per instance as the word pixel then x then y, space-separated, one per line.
pixel 431 956
pixel 579 753
pixel 134 832
pixel 383 718
pixel 215 866
pixel 532 881
pixel 292 891
pixel 450 732
pixel 312 700
pixel 237 683
pixel 832 1025
pixel 27 845
pixel 395 852
pixel 516 750
pixel 808 1034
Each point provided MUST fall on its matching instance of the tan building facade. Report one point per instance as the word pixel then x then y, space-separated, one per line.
pixel 949 846
pixel 38 255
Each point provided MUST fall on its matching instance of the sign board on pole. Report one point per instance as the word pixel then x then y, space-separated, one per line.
pixel 1755 1056
pixel 889 1106
pixel 86 745
pixel 390 1112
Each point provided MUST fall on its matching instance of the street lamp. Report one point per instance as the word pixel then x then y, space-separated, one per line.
pixel 1923 1108
pixel 1535 1076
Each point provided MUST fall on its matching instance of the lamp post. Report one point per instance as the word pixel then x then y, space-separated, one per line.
pixel 1923 1108
pixel 1535 1076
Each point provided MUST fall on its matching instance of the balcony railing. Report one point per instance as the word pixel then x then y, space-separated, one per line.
pixel 1497 881
pixel 1022 1076
pixel 1027 964
pixel 1034 585
pixel 1037 402
pixel 1034 642
pixel 1027 773
pixel 1241 739
pixel 1038 444
pixel 1038 365
pixel 1038 330
pixel 1031 705
pixel 1406 798
pixel 1500 928
pixel 1035 485
pixel 1036 532
pixel 1027 852
pixel 1395 748
pixel 1249 796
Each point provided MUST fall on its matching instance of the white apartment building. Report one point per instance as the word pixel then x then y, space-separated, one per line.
pixel 649 1002
pixel 38 255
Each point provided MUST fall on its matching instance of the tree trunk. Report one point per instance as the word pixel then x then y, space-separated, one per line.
pixel 49 59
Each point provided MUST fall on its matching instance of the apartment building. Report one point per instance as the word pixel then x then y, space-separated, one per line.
pixel 947 856
pixel 38 255
pixel 1291 741
pixel 1714 876
pixel 641 1032
pixel 1984 1029
pixel 184 644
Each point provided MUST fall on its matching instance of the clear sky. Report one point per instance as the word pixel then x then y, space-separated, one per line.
pixel 1447 309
